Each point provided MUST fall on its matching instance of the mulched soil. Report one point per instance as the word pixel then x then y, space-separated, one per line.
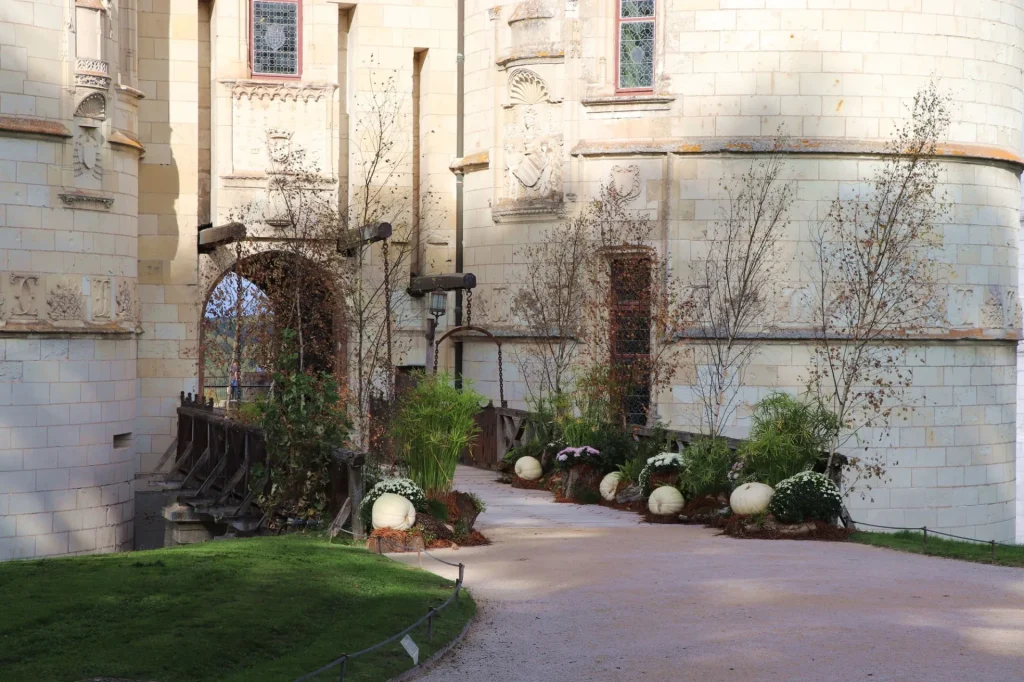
pixel 660 518
pixel 736 526
pixel 474 539
pixel 528 485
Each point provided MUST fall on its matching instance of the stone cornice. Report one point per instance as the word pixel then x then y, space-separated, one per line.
pixel 126 139
pixel 21 125
pixel 803 145
pixel 469 163
pixel 88 200
pixel 280 90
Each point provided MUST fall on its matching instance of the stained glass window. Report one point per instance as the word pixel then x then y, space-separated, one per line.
pixel 636 45
pixel 275 38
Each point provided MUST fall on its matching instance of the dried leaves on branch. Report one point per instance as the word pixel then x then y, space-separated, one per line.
pixel 875 281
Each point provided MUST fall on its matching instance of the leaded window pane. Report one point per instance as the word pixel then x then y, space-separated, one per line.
pixel 636 55
pixel 275 38
pixel 630 9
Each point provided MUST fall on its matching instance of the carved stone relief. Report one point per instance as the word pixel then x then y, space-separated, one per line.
pixel 624 182
pixel 93 106
pixel 24 292
pixel 65 302
pixel 127 310
pixel 533 141
pixel 795 304
pixel 101 290
pixel 88 153
pixel 259 110
pixel 963 308
pixel 992 312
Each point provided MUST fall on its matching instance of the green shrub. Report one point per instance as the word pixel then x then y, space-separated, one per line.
pixel 435 424
pixel 438 509
pixel 706 466
pixel 787 436
pixel 808 496
pixel 398 486
pixel 304 420
pixel 631 469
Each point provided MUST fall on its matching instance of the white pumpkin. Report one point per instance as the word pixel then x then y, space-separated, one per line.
pixel 393 511
pixel 751 498
pixel 528 468
pixel 610 484
pixel 665 501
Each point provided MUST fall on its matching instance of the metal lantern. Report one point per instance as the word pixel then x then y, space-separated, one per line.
pixel 438 303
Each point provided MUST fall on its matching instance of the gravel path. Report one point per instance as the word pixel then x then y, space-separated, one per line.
pixel 572 593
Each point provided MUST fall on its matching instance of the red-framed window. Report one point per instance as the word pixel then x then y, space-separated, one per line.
pixel 631 335
pixel 634 28
pixel 275 38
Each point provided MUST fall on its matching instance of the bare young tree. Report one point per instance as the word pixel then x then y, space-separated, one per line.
pixel 734 289
pixel 875 282
pixel 549 302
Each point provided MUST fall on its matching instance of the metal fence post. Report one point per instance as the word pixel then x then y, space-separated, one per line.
pixel 924 539
pixel 993 550
pixel 430 624
pixel 341 674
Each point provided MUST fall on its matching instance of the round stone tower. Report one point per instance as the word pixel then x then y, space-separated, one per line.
pixel 69 308
pixel 672 98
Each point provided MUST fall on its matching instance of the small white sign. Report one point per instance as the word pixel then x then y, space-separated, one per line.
pixel 411 649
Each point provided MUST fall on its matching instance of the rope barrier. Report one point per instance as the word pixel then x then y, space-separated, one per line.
pixel 926 530
pixel 342 662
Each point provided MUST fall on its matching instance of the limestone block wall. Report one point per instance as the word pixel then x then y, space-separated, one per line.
pixel 69 156
pixel 837 80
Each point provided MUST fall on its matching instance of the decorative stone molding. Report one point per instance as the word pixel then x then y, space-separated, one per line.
pixel 88 154
pixel 97 66
pixel 494 13
pixel 283 91
pixel 126 139
pixel 549 54
pixel 80 199
pixel 761 145
pixel 624 182
pixel 470 163
pixel 89 79
pixel 20 125
pixel 522 212
pixel 65 302
pixel 615 103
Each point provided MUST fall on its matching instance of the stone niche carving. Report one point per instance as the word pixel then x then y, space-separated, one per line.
pixel 533 144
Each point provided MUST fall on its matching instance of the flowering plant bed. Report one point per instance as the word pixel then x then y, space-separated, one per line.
pixel 567 458
pixel 660 469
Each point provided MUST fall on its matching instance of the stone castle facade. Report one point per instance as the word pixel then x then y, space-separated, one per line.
pixel 127 124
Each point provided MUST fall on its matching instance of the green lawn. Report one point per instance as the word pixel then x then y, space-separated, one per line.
pixel 910 541
pixel 227 611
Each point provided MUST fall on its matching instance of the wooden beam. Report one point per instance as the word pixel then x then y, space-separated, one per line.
pixel 420 286
pixel 351 240
pixel 212 237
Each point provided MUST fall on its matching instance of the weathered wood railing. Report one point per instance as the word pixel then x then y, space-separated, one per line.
pixel 504 428
pixel 216 462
